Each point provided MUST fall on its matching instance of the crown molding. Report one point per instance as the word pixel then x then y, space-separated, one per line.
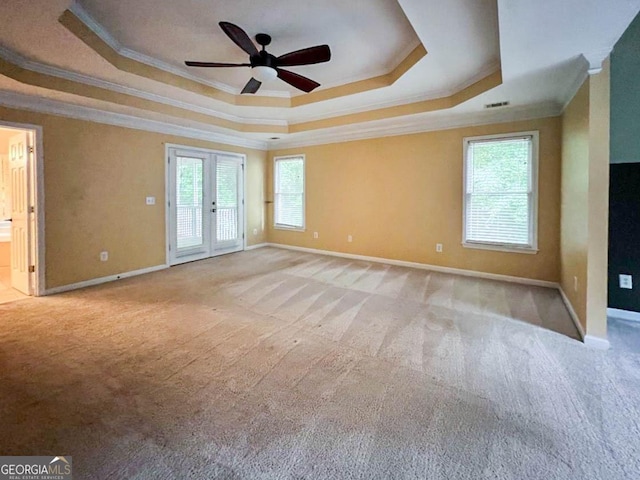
pixel 422 97
pixel 425 122
pixel 45 69
pixel 97 28
pixel 574 86
pixel 596 59
pixel 54 107
pixel 25 63
pixel 400 57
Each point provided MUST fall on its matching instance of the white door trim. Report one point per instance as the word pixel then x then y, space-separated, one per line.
pixel 36 180
pixel 167 189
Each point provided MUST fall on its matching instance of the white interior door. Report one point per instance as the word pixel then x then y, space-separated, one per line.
pixel 19 151
pixel 205 198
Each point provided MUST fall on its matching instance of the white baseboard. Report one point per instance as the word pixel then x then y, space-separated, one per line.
pixel 572 313
pixel 589 340
pixel 98 281
pixel 623 314
pixel 257 245
pixel 422 266
pixel 596 342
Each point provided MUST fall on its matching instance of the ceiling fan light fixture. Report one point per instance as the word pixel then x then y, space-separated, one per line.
pixel 263 74
pixel 266 67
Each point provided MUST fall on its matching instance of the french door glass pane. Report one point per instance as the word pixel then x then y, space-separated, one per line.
pixel 226 200
pixel 189 202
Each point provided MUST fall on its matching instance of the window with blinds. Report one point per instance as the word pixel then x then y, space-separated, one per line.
pixel 289 192
pixel 500 192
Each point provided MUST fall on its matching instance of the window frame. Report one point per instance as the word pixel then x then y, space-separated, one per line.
pixel 280 226
pixel 534 192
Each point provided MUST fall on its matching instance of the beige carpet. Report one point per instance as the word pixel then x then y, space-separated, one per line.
pixel 275 364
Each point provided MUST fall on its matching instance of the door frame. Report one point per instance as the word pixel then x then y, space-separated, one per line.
pixel 36 184
pixel 167 191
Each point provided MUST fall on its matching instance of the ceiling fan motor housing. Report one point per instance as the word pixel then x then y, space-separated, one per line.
pixel 263 59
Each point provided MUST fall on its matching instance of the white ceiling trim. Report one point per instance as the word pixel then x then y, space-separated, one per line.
pixel 101 32
pixel 575 85
pixel 433 95
pixel 596 59
pixel 44 69
pixel 401 56
pixel 383 128
pixel 426 122
pixel 78 112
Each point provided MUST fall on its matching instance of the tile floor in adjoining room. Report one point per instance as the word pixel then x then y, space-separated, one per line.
pixel 8 294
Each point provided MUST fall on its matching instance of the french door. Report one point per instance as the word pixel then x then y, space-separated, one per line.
pixel 206 214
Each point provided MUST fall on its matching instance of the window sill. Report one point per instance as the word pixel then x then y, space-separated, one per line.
pixel 289 229
pixel 500 248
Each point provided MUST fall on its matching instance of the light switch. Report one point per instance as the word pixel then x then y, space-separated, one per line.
pixel 151 200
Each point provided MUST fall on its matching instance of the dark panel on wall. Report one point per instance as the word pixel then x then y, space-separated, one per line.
pixel 624 235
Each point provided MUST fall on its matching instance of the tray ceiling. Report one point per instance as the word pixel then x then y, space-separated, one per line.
pixel 395 62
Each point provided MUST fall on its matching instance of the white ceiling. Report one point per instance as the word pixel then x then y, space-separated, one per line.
pixel 367 37
pixel 540 46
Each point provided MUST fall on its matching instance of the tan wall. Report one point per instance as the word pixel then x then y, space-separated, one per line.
pixel 399 196
pixel 575 192
pixel 96 180
pixel 585 202
pixel 256 197
pixel 599 128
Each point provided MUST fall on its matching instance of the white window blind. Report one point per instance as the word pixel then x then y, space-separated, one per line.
pixel 189 201
pixel 500 192
pixel 289 192
pixel 226 199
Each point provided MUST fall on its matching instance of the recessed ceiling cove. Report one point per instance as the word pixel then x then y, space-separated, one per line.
pixel 367 38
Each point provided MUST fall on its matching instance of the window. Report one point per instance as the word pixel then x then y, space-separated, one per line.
pixel 500 192
pixel 289 192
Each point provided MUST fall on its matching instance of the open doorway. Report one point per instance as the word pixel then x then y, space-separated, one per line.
pixel 20 255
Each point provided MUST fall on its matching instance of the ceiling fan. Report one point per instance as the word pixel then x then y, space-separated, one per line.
pixel 265 66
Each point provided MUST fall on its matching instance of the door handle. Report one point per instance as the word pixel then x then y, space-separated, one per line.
pixel 213 210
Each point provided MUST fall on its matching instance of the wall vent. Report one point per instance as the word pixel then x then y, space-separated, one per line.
pixel 496 105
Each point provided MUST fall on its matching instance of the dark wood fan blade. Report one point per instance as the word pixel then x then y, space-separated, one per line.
pixel 239 37
pixel 215 64
pixel 306 56
pixel 302 83
pixel 252 86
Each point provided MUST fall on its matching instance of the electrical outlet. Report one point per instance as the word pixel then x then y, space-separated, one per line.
pixel 626 281
pixel 151 200
pixel 104 256
pixel 575 284
pixel 439 247
pixel 255 231
pixel 315 234
pixel 349 238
